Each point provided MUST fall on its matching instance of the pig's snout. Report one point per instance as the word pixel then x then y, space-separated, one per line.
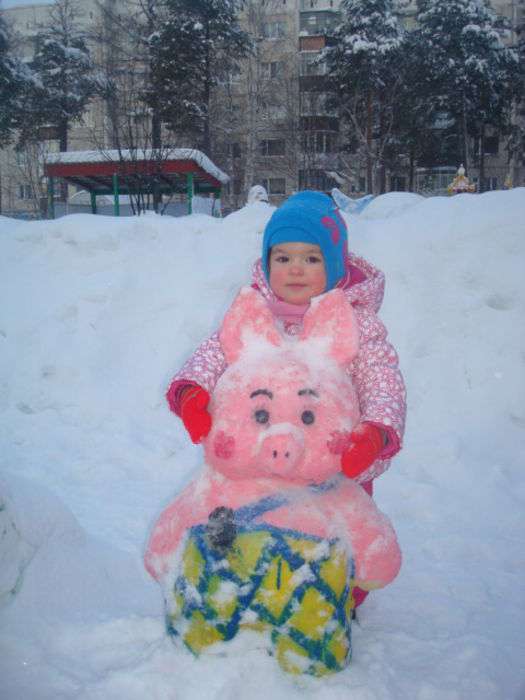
pixel 280 449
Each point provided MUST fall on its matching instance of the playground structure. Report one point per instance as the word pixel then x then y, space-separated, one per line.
pixel 127 172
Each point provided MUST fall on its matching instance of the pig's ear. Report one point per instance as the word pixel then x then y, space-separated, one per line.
pixel 332 319
pixel 247 321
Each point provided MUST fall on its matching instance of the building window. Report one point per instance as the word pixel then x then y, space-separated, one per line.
pixel 312 179
pixel 272 69
pixel 310 64
pixel 491 183
pixel 320 142
pixel 274 30
pixel 272 147
pixel 234 75
pixel 235 149
pixel 271 111
pixel 25 192
pixel 318 123
pixel 490 146
pixel 318 22
pixel 277 112
pixel 274 185
pixel 397 183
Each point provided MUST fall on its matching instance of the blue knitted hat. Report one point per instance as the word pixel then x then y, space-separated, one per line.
pixel 309 217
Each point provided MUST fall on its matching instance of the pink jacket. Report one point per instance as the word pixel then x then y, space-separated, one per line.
pixel 375 372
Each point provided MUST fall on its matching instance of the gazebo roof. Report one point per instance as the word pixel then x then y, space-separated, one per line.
pixel 94 170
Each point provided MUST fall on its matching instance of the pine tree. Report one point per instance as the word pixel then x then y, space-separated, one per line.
pixel 15 80
pixel 473 74
pixel 8 86
pixel 66 74
pixel 362 68
pixel 199 44
pixel 516 142
pixel 421 136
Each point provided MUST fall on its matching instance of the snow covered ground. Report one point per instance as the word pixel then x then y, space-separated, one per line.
pixel 96 315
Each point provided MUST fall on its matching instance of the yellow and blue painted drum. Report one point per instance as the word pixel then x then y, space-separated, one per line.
pixel 296 586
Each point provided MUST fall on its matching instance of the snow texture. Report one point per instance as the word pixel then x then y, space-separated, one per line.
pixel 99 312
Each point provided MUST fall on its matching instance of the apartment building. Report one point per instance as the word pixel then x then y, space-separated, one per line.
pixel 319 160
pixel 290 139
pixel 22 186
pixel 272 123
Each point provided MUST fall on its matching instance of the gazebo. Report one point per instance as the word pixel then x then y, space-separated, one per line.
pixel 116 172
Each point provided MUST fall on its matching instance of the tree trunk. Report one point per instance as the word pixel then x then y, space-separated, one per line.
pixel 156 143
pixel 63 127
pixel 156 130
pixel 251 124
pixel 411 169
pixel 369 179
pixel 481 186
pixel 206 143
pixel 382 167
pixel 207 97
pixel 464 136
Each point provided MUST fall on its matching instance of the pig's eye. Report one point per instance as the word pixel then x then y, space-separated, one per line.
pixel 307 417
pixel 262 416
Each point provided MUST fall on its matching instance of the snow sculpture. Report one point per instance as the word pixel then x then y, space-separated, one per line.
pixel 257 193
pixel 271 538
pixel 461 184
pixel 15 552
pixel 348 204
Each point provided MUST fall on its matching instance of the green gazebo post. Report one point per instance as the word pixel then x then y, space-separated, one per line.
pixel 51 197
pixel 93 195
pixel 216 195
pixel 116 201
pixel 189 191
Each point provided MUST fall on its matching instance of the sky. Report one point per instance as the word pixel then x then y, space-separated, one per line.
pixel 6 4
pixel 102 311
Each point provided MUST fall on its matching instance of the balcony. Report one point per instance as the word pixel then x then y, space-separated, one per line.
pixel 313 83
pixel 319 123
pixel 312 43
pixel 319 5
pixel 318 23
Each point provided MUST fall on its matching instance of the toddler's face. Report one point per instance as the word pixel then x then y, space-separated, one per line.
pixel 297 272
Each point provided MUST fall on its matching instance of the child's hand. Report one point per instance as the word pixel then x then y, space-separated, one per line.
pixel 366 445
pixel 195 417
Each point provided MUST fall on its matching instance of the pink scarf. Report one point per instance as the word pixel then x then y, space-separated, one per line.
pixel 288 313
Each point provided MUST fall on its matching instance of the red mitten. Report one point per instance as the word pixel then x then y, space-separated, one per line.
pixel 365 447
pixel 196 419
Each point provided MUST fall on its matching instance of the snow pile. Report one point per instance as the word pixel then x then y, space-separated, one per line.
pixel 392 204
pixel 97 315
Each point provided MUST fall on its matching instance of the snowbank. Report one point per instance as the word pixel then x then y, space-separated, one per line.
pixel 386 206
pixel 99 312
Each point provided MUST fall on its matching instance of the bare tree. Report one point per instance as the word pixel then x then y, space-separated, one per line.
pixel 27 166
pixel 132 123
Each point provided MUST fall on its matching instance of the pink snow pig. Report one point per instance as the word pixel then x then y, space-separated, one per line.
pixel 270 539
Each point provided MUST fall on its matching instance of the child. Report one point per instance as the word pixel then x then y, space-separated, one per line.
pixel 305 254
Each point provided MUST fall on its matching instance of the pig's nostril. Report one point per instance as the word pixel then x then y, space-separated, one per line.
pixel 274 454
pixel 286 454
